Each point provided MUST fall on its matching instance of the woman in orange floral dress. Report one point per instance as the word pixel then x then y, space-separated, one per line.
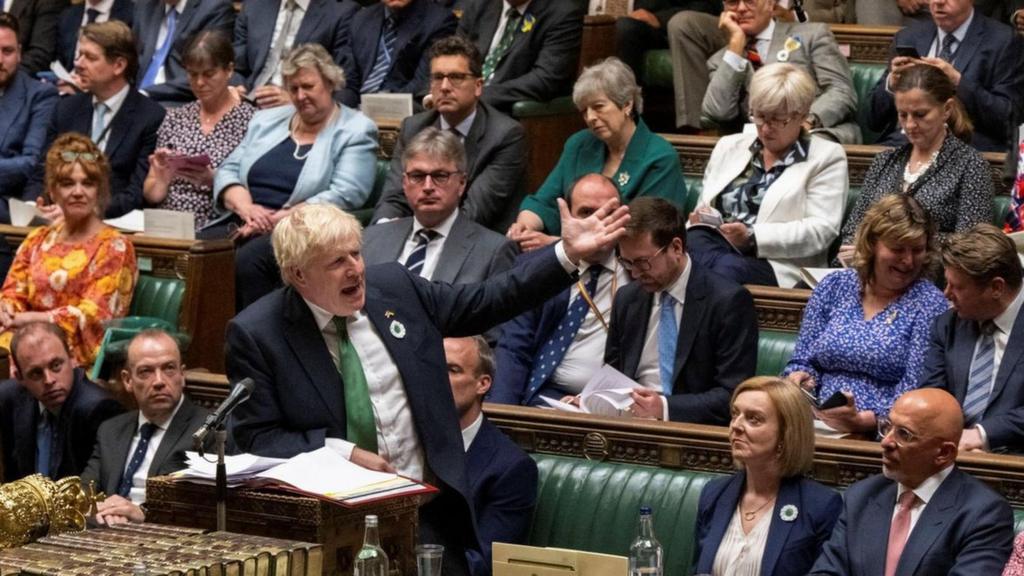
pixel 77 272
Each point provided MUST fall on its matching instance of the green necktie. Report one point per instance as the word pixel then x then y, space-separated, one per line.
pixel 360 426
pixel 494 56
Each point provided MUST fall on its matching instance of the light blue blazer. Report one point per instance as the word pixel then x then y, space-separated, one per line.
pixel 340 167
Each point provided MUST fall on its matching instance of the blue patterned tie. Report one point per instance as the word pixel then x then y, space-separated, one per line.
pixel 382 65
pixel 979 383
pixel 668 333
pixel 44 443
pixel 160 56
pixel 946 53
pixel 553 351
pixel 419 254
pixel 145 433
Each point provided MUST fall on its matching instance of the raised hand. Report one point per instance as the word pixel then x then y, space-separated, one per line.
pixel 597 233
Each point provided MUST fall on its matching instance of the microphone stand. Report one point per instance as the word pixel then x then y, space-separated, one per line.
pixel 220 438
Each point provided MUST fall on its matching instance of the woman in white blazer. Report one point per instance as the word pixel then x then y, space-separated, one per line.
pixel 779 194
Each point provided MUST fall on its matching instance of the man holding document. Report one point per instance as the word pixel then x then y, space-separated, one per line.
pixel 687 336
pixel 352 358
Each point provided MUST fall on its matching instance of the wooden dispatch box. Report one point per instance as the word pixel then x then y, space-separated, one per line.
pixel 282 515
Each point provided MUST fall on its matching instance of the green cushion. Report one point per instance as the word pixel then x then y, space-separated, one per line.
pixel 865 77
pixel 774 349
pixel 379 178
pixel 1000 209
pixel 529 108
pixel 694 187
pixel 158 298
pixel 594 506
pixel 657 69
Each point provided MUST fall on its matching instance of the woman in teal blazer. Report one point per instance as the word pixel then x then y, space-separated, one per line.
pixel 616 143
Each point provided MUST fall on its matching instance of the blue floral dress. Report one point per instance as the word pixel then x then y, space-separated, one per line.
pixel 876 360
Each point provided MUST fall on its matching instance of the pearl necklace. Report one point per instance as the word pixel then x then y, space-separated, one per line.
pixel 910 177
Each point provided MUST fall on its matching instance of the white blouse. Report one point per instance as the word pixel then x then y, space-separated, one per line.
pixel 740 554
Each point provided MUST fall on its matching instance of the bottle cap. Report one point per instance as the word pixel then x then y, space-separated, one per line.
pixel 371 519
pixel 645 510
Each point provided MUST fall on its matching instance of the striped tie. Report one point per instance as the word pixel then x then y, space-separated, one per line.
pixel 979 383
pixel 419 254
pixel 382 65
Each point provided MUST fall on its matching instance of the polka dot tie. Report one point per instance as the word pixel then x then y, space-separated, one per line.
pixel 145 433
pixel 553 351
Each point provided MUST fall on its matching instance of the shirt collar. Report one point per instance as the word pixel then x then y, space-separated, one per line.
pixel 469 432
pixel 166 423
pixel 444 228
pixel 463 127
pixel 114 102
pixel 178 7
pixel 521 9
pixel 1005 319
pixel 797 152
pixel 766 34
pixel 103 7
pixel 678 288
pixel 325 319
pixel 927 489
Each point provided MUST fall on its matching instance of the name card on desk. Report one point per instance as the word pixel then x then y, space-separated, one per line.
pixel 386 106
pixel 516 560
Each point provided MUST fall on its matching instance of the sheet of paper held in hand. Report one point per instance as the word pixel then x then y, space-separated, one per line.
pixel 607 393
pixel 25 213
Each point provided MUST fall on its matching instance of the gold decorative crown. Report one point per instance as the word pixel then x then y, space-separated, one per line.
pixel 36 506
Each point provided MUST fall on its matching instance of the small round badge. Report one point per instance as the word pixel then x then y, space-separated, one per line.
pixel 789 513
pixel 397 329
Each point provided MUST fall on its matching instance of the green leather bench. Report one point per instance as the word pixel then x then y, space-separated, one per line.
pixel 588 505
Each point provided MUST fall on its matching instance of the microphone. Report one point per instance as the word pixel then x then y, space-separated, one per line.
pixel 239 393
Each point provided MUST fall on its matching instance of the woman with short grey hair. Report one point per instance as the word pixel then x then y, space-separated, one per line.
pixel 313 57
pixel 616 143
pixel 773 200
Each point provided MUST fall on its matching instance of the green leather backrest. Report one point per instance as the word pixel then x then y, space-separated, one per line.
pixel 694 187
pixel 379 178
pixel 528 108
pixel 1000 209
pixel 657 69
pixel 594 506
pixel 158 298
pixel 865 76
pixel 774 349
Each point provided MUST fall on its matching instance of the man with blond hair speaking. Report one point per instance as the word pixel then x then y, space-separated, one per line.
pixel 352 358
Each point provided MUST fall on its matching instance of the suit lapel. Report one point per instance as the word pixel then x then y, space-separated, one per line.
pixel 972 39
pixel 315 15
pixel 262 21
pixel 963 353
pixel 81 121
pixel 122 122
pixel 178 427
pixel 693 314
pixel 391 244
pixel 456 251
pixel 1011 357
pixel 637 317
pixel 721 516
pixel 11 104
pixel 936 514
pixel 307 343
pixel 923 43
pixel 488 25
pixel 122 441
pixel 25 424
pixel 776 45
pixel 191 7
pixel 477 131
pixel 881 507
pixel 778 531
pixel 152 26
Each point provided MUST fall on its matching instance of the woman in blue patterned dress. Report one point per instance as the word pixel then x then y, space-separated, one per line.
pixel 865 330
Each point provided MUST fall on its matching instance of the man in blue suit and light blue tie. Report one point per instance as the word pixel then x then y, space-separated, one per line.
pixel 526 370
pixel 26 106
pixel 351 358
pixel 162 29
pixel 389 50
pixel 922 516
pixel 977 347
pixel 502 478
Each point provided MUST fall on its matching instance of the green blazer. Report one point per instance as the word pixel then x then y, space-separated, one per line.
pixel 649 168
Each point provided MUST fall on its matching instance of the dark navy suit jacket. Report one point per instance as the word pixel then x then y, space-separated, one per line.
pixel 85 408
pixel 298 400
pixel 132 138
pixel 326 23
pixel 197 16
pixel 70 24
pixel 991 63
pixel 947 365
pixel 26 108
pixel 503 482
pixel 966 530
pixel 418 25
pixel 716 349
pixel 541 62
pixel 792 546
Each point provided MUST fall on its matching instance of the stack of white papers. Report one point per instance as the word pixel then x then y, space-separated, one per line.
pixel 607 394
pixel 321 473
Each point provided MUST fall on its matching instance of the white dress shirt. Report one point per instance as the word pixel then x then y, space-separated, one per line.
pixel 586 353
pixel 469 432
pixel 740 554
pixel 138 491
pixel 103 7
pixel 273 75
pixel 763 44
pixel 502 19
pixel 924 492
pixel 648 371
pixel 114 104
pixel 959 34
pixel 434 247
pixel 397 441
pixel 178 7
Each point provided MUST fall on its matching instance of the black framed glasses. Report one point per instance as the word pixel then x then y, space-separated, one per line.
pixel 641 264
pixel 455 78
pixel 437 176
pixel 901 435
pixel 68 156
